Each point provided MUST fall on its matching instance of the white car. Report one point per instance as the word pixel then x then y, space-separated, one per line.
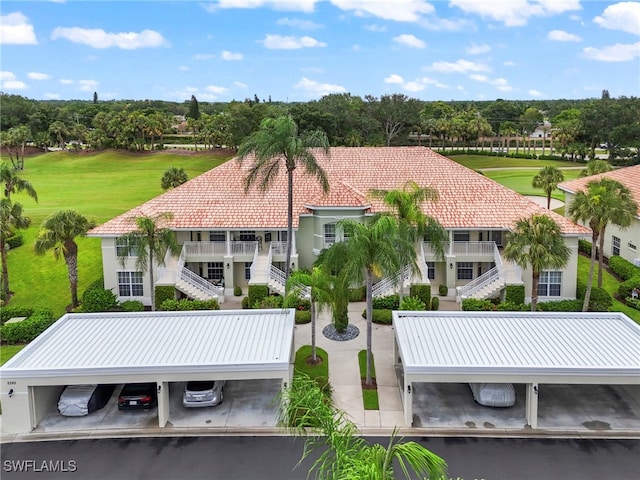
pixel 81 400
pixel 493 394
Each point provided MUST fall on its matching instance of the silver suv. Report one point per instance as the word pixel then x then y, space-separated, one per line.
pixel 203 393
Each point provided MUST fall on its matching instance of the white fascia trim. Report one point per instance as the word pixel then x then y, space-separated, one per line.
pixel 326 207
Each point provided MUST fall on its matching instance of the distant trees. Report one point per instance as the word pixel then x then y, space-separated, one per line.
pixel 194 109
pixel 548 179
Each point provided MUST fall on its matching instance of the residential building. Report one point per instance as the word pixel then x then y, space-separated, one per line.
pixel 617 241
pixel 232 237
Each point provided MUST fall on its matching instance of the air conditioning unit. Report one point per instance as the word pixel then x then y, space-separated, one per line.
pixel 636 262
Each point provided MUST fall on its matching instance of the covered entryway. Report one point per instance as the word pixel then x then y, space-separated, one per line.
pixel 159 347
pixel 543 354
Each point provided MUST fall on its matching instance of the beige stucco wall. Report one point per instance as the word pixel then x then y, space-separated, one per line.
pixel 111 265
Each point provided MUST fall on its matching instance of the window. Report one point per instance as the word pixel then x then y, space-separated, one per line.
pixel 550 284
pixel 215 270
pixel 130 284
pixel 615 245
pixel 196 236
pixel 496 236
pixel 465 270
pixel 632 246
pixel 217 237
pixel 247 270
pixel 431 270
pixel 462 236
pixel 125 247
pixel 329 234
pixel 247 235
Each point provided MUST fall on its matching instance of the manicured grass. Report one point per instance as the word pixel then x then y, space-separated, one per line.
pixel 369 396
pixel 99 186
pixel 610 284
pixel 520 180
pixel 479 162
pixel 313 371
pixel 8 351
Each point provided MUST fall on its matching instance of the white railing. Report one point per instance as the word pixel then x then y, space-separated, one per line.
pixel 243 248
pixel 205 249
pixel 278 248
pixel 472 248
pixel 164 273
pixel 277 276
pixel 252 268
pixel 499 274
pixel 497 259
pixel 429 251
pixel 190 277
pixel 388 283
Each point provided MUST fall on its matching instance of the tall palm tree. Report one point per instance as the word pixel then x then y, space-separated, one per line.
pixel 148 242
pixel 604 201
pixel 278 141
pixel 594 167
pixel 173 177
pixel 333 260
pixel 11 218
pixel 373 251
pixel 13 183
pixel 548 179
pixel 58 233
pixel 414 224
pixel 537 242
pixel 319 282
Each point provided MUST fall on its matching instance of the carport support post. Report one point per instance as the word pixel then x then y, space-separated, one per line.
pixel 408 403
pixel 163 403
pixel 532 405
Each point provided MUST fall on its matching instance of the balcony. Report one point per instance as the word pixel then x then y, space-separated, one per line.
pixel 210 251
pixel 465 251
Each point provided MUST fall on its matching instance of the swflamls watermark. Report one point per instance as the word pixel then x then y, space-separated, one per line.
pixel 62 466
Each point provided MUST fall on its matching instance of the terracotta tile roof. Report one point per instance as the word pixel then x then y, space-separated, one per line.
pixel 217 200
pixel 628 176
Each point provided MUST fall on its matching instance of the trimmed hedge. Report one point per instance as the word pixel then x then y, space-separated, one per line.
pixel 584 247
pixel 185 304
pixel 132 306
pixel 443 290
pixel 423 292
pixel 390 302
pixel 98 299
pixel 257 293
pixel 271 301
pixel 514 294
pixel 245 302
pixel 165 292
pixel 626 287
pixel 237 291
pixel 28 329
pixel 412 304
pixel 303 316
pixel 7 313
pixel 599 300
pixel 380 316
pixel 623 268
pixel 358 294
pixel 476 305
pixel 561 306
pixel 435 303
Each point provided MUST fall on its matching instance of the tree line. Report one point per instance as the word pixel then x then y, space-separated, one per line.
pixel 574 128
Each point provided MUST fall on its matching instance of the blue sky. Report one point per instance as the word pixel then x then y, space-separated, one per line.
pixel 300 50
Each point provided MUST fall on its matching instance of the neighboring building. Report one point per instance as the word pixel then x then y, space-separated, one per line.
pixel 233 238
pixel 617 241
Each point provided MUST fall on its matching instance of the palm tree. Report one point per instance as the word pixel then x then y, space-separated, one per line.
pixel 333 260
pixel 548 179
pixel 173 177
pixel 11 218
pixel 594 167
pixel 148 243
pixel 278 141
pixel 321 296
pixel 373 251
pixel 413 223
pixel 13 183
pixel 604 201
pixel 58 232
pixel 536 242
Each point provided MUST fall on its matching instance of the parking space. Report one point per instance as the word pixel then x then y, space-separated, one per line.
pixel 562 407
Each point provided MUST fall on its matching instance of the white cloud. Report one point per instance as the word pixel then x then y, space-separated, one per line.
pixel 474 49
pixel 15 29
pixel 52 96
pixel 5 75
pixel 416 85
pixel 397 10
pixel 204 56
pixel 536 93
pixel 515 12
pixel 509 63
pixel 393 78
pixel 226 55
pixel 298 23
pixel 613 53
pixel 240 84
pixel 409 41
pixel 285 5
pixel 216 90
pixel 460 66
pixel 500 83
pixel 98 38
pixel 279 42
pixel 314 89
pixel 624 16
pixel 87 85
pixel 66 81
pixel 376 28
pixel 562 36
pixel 38 76
pixel 8 81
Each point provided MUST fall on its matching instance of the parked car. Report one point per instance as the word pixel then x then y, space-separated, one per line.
pixel 493 394
pixel 203 394
pixel 81 400
pixel 138 396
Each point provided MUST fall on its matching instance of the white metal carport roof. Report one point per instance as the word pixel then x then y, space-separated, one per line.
pixel 516 347
pixel 156 347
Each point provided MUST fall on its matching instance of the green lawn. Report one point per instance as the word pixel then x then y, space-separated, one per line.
pixel 520 180
pixel 99 186
pixel 8 351
pixel 312 371
pixel 369 396
pixel 479 162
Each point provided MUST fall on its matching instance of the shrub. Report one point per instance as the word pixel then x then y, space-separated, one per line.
pixel 443 290
pixel 514 294
pixel 599 300
pixel 390 302
pixel 412 303
pixel 15 241
pixel 185 304
pixel 257 293
pixel 475 304
pixel 623 268
pixel 380 316
pixel 237 291
pixel 435 303
pixel 303 316
pixel 423 292
pixel 28 329
pixel 271 301
pixel 98 300
pixel 7 313
pixel 357 294
pixel 633 302
pixel 165 292
pixel 624 289
pixel 560 306
pixel 293 301
pixel 245 302
pixel 584 247
pixel 512 307
pixel 132 306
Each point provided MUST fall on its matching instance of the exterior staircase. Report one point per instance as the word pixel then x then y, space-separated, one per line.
pixel 490 284
pixel 175 273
